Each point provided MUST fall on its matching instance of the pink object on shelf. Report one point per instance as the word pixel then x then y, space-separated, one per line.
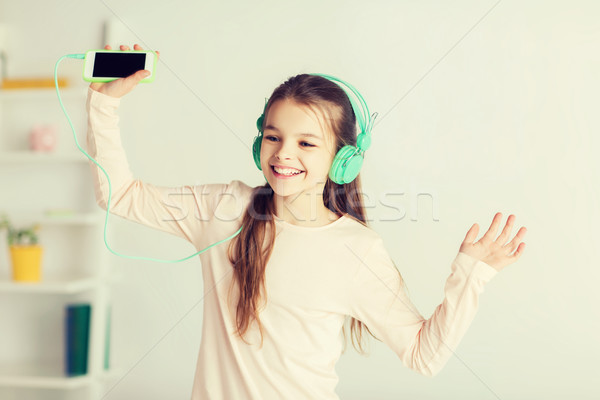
pixel 43 138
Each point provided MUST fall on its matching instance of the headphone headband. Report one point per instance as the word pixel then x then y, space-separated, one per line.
pixel 362 113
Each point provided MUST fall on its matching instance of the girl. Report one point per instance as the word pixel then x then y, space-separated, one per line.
pixel 277 296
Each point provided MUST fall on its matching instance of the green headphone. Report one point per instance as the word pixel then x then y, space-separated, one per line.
pixel 348 160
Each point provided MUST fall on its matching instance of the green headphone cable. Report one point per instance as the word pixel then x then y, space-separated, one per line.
pixel 80 57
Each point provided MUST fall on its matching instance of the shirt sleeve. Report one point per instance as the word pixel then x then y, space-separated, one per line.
pixel 423 345
pixel 181 211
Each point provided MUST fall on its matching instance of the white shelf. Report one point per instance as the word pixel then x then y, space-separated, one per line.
pixel 50 286
pixel 45 376
pixel 46 382
pixel 31 157
pixel 56 218
pixel 93 218
pixel 29 94
pixel 63 219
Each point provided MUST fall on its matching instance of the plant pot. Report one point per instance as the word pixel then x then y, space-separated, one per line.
pixel 26 263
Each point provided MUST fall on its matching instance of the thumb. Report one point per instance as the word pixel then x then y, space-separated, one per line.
pixel 133 79
pixel 472 234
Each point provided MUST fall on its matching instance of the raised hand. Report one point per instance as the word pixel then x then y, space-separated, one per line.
pixel 120 87
pixel 496 253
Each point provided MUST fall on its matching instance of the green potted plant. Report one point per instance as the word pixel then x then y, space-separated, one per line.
pixel 25 252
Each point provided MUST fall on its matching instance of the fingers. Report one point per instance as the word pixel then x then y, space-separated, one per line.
pixel 519 251
pixel 136 47
pixel 124 47
pixel 491 232
pixel 503 238
pixel 505 234
pixel 516 242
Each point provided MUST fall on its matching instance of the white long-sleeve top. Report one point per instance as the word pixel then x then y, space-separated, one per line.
pixel 315 278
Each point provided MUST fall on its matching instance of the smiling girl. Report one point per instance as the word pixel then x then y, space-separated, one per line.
pixel 277 297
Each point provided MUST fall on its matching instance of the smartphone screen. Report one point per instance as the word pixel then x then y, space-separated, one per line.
pixel 117 65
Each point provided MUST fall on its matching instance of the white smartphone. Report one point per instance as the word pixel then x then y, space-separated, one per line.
pixel 108 65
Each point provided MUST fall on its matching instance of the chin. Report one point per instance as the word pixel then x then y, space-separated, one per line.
pixel 284 189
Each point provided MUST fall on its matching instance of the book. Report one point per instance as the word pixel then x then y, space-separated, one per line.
pixel 77 338
pixel 107 339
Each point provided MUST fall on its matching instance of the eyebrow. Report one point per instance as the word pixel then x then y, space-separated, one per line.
pixel 303 134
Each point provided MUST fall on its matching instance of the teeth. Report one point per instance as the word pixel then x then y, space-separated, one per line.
pixel 286 171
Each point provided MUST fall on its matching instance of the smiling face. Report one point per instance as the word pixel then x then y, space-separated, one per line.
pixel 297 150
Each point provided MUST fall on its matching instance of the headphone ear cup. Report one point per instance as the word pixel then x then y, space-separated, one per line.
pixel 259 122
pixel 256 150
pixel 258 140
pixel 353 167
pixel 346 165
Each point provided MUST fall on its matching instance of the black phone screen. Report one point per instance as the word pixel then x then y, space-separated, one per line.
pixel 118 65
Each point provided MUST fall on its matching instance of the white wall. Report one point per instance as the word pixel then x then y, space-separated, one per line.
pixel 492 114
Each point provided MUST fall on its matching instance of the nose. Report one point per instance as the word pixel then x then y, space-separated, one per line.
pixel 284 151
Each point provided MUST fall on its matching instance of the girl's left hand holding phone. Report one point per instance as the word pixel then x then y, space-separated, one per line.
pixel 496 253
pixel 120 87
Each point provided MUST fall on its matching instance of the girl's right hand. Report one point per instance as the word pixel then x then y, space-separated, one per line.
pixel 120 87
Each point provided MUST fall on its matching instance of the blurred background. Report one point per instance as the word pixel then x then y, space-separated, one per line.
pixel 484 106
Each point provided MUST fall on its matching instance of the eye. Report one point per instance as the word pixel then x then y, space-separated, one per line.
pixel 272 138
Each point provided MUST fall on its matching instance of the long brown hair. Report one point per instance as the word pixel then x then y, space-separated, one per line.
pixel 249 252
